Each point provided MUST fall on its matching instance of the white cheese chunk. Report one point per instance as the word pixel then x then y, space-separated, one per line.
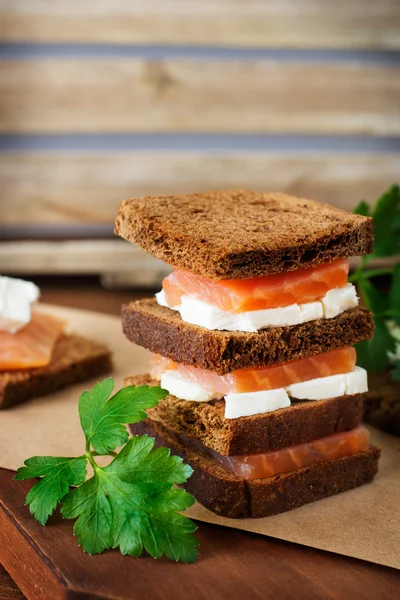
pixel 16 298
pixel 311 311
pixel 254 403
pixel 338 300
pixel 162 301
pixel 211 317
pixel 318 389
pixel 186 390
pixel 357 381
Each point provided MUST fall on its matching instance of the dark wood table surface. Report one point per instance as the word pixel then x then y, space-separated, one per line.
pixel 279 570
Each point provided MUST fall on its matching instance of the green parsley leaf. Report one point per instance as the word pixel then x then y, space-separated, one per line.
pixel 371 297
pixel 396 222
pixel 375 354
pixel 396 371
pixel 386 224
pixel 362 208
pixel 169 534
pixel 171 498
pixel 394 295
pixel 118 508
pixel 131 503
pixel 58 475
pixel 372 354
pixel 139 463
pixel 91 504
pixel 388 203
pixel 103 419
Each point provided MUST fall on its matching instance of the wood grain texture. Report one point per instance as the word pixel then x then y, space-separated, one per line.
pixel 295 23
pixel 80 257
pixel 8 589
pixel 188 95
pixel 76 188
pixel 46 562
pixel 119 264
pixel 87 295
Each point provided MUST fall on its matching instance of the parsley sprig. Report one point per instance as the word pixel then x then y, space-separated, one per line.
pixel 130 504
pixel 379 353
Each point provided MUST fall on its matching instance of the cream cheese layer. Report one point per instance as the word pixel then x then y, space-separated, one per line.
pixel 252 403
pixel 197 312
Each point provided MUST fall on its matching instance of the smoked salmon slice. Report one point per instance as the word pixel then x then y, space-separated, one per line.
pixel 271 291
pixel 31 346
pixel 334 362
pixel 159 364
pixel 267 464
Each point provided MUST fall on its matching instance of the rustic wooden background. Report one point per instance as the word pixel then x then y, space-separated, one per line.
pixel 100 101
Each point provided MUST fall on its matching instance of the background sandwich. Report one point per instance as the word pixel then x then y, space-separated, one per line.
pixel 38 355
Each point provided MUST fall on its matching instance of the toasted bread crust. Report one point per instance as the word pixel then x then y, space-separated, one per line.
pixel 239 234
pixel 224 493
pixel 302 422
pixel 74 359
pixel 162 330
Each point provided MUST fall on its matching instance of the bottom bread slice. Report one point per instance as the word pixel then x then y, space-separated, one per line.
pixel 221 491
pixel 74 359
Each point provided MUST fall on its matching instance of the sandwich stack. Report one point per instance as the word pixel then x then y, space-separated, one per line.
pixel 252 335
pixel 38 355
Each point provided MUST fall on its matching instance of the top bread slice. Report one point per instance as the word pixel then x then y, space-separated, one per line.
pixel 239 234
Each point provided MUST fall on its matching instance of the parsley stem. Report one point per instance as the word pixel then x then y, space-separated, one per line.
pixel 359 270
pixel 109 453
pixel 89 454
pixel 388 313
pixel 90 458
pixel 361 274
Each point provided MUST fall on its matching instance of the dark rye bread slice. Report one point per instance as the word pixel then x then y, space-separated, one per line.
pixel 74 359
pixel 163 331
pixel 297 424
pixel 238 234
pixel 221 491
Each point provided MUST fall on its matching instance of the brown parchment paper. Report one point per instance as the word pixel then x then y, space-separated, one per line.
pixel 363 523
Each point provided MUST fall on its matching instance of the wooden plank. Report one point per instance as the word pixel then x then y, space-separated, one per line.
pixel 87 295
pixel 8 589
pixel 204 95
pixel 254 23
pixel 46 562
pixel 76 188
pixel 81 257
pixel 119 263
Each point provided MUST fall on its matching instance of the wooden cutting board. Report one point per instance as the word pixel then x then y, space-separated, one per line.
pixel 47 563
